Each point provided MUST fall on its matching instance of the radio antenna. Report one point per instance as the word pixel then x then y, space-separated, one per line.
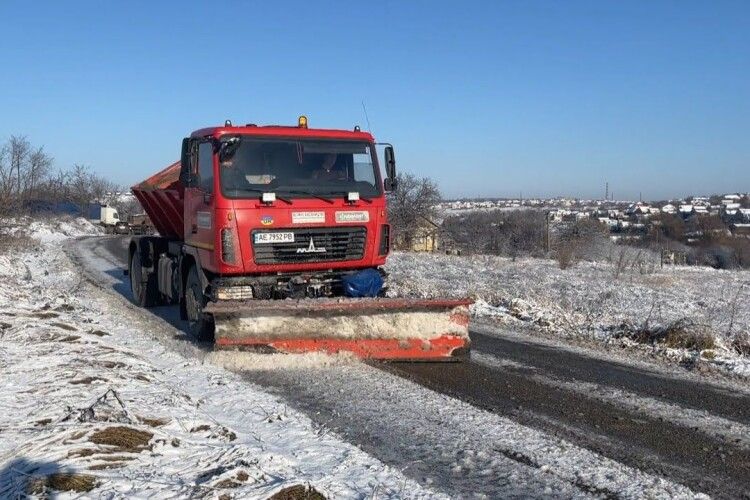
pixel 367 118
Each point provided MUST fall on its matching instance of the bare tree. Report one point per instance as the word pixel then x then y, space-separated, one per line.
pixel 26 181
pixel 85 187
pixel 19 149
pixel 514 233
pixel 411 207
pixel 127 206
pixel 582 239
pixel 40 164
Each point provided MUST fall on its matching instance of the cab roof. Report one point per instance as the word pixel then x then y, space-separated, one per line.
pixel 283 131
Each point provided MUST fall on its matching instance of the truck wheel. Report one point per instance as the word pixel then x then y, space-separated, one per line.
pixel 201 325
pixel 144 294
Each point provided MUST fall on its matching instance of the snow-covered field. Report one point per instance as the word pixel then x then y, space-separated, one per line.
pixel 591 301
pixel 92 403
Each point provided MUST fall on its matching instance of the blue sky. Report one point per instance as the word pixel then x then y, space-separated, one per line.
pixel 487 98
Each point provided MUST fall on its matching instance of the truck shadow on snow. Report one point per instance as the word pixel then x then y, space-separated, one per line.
pixel 22 477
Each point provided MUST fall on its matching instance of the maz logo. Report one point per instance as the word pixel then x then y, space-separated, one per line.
pixel 311 248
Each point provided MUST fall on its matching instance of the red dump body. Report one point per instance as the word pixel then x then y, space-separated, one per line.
pixel 161 197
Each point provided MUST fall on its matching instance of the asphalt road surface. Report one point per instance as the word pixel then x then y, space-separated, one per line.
pixel 679 427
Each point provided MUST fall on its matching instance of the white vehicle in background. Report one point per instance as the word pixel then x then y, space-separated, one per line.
pixel 105 216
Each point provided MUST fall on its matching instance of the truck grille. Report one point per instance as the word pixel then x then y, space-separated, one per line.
pixel 329 244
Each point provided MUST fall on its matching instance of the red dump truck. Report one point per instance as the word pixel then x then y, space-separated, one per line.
pixel 273 238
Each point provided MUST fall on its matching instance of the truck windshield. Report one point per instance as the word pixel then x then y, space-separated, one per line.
pixel 297 168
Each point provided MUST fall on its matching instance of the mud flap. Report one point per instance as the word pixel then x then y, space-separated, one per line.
pixel 371 328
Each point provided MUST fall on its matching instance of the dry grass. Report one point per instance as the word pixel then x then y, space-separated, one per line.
pixel 681 334
pixel 153 422
pixel 82 452
pixel 686 335
pixel 298 492
pixel 123 438
pixel 87 380
pixel 227 483
pixel 741 344
pixel 110 465
pixel 45 314
pixel 111 364
pixel 79 483
pixel 64 326
pixel 11 243
pixel 565 255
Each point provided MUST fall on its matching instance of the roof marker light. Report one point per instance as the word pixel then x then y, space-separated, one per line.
pixel 302 121
pixel 227 123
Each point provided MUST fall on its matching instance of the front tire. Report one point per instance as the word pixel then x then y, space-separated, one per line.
pixel 200 324
pixel 145 293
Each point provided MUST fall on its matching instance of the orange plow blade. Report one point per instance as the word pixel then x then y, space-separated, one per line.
pixel 370 328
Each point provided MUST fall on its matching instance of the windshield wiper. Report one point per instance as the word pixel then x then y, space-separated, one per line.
pixel 261 191
pixel 327 200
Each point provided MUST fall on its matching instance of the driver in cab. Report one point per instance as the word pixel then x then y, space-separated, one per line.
pixel 328 170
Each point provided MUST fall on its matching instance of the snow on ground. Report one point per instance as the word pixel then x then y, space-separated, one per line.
pixel 92 403
pixel 443 442
pixel 589 301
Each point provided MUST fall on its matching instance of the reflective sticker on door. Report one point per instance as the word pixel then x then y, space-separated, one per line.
pixel 203 220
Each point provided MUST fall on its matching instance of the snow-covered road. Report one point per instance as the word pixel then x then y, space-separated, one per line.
pixel 523 419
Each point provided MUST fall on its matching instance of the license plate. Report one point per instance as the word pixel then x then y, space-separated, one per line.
pixel 261 238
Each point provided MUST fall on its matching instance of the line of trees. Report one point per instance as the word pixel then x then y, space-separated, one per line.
pixel 28 181
pixel 497 232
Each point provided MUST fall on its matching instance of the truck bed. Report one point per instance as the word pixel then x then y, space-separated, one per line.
pixel 161 198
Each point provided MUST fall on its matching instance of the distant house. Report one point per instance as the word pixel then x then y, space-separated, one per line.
pixel 669 209
pixel 700 209
pixel 425 238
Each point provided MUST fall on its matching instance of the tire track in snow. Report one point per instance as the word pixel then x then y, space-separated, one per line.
pixel 452 445
pixel 733 433
pixel 683 455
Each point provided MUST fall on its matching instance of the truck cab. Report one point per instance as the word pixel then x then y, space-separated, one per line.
pixel 278 199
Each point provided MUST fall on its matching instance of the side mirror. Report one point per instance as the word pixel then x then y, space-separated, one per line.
pixel 390 183
pixel 186 175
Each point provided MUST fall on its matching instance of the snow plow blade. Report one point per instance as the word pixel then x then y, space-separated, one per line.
pixel 371 328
